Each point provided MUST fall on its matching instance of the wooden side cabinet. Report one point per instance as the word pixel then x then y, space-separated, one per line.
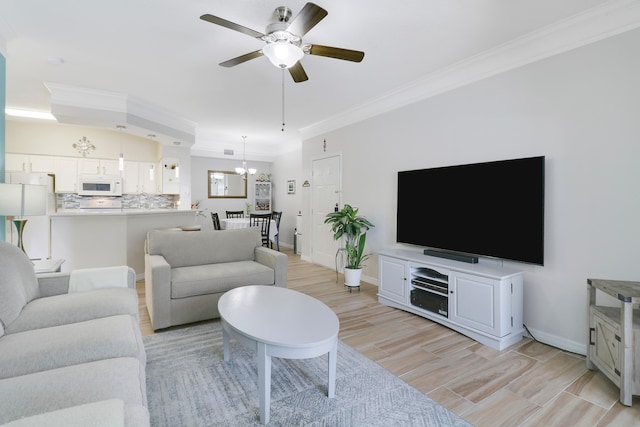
pixel 614 335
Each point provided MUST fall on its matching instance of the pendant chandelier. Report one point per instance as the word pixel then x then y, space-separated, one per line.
pixel 244 171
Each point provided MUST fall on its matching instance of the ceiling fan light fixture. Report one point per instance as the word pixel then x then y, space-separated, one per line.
pixel 283 54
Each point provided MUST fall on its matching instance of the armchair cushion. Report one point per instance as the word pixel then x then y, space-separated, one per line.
pixel 207 279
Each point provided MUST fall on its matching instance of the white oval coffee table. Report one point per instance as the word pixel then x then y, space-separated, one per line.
pixel 278 322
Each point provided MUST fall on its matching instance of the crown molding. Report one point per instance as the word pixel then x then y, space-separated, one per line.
pixel 598 23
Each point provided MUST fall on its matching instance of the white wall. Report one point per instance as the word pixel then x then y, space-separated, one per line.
pixel 580 110
pixel 287 168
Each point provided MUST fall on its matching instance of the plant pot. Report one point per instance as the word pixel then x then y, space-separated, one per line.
pixel 352 276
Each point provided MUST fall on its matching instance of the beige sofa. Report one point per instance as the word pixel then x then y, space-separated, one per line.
pixel 69 358
pixel 186 273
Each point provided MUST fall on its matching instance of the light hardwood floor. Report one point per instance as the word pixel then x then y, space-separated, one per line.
pixel 528 384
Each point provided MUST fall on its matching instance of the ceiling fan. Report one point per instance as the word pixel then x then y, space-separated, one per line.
pixel 283 38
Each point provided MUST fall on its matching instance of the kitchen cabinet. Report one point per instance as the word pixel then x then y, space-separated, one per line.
pixel 131 178
pixel 614 335
pixel 98 167
pixel 483 302
pixel 28 163
pixel 148 178
pixel 139 177
pixel 66 173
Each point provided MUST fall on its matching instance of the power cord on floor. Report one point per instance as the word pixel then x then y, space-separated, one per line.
pixel 529 332
pixel 550 345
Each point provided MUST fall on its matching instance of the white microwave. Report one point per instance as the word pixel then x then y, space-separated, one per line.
pixel 99 185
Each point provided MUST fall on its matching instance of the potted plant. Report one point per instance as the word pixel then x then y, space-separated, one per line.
pixel 353 228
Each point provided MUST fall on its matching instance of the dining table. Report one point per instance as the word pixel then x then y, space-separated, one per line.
pixel 231 223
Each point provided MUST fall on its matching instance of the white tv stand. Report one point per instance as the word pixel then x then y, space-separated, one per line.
pixel 481 301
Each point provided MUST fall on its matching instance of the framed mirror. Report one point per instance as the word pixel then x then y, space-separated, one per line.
pixel 226 185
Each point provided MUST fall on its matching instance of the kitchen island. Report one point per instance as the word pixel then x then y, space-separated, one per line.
pixel 103 238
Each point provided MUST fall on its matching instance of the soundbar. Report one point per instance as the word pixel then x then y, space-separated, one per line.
pixel 472 259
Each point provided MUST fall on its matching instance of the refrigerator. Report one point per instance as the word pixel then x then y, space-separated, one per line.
pixel 36 236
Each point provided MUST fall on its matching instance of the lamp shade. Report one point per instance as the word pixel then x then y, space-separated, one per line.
pixel 22 199
pixel 283 54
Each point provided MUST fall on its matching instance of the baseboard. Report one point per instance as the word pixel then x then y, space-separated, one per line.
pixel 369 279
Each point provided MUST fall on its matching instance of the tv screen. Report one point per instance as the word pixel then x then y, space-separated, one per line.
pixel 493 209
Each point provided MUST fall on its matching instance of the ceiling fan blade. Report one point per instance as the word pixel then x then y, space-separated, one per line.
pixel 308 17
pixel 231 25
pixel 333 52
pixel 242 58
pixel 298 73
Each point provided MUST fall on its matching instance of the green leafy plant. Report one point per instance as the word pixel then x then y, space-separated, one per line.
pixel 346 223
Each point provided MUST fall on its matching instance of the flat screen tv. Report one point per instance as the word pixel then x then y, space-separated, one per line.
pixel 493 209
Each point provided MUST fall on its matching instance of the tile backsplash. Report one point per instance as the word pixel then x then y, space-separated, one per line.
pixel 129 201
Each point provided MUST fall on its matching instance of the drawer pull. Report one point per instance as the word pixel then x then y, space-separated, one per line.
pixel 591 331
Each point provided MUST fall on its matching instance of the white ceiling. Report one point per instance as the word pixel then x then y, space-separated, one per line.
pixel 161 53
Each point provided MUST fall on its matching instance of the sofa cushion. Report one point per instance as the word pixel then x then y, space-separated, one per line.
pixel 32 394
pixel 56 347
pixel 77 307
pixel 106 413
pixel 204 247
pixel 215 278
pixel 18 283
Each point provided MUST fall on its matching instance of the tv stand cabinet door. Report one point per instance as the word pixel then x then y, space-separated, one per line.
pixel 393 279
pixel 475 302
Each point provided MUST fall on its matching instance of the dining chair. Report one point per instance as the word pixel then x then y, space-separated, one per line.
pixel 276 217
pixel 235 214
pixel 263 221
pixel 216 221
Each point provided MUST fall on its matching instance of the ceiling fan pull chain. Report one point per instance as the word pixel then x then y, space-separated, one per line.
pixel 282 100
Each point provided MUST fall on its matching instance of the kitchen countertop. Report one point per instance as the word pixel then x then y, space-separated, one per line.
pixel 118 212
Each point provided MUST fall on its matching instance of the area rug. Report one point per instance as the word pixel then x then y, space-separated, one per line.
pixel 189 384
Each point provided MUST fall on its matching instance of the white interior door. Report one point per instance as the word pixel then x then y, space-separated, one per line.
pixel 326 188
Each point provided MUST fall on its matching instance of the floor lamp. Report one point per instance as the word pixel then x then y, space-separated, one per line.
pixel 18 200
